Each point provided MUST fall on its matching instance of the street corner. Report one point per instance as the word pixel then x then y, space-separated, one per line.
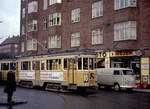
pixel 3 101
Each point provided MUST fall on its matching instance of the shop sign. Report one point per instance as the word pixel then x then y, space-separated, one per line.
pixel 137 53
pixel 145 66
pixel 123 53
pixel 102 54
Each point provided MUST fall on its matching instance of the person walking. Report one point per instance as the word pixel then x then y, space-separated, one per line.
pixel 10 85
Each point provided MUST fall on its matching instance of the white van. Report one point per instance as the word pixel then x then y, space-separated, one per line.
pixel 118 78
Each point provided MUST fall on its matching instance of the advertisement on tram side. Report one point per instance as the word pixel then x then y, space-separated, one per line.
pixel 26 75
pixel 57 76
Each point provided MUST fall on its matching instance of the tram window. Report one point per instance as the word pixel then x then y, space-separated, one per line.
pixel 85 63
pixel 12 66
pixel 5 66
pixel 49 64
pixel 53 64
pixel 25 65
pixel 42 65
pixel 79 63
pixel 65 64
pixel 91 63
pixel 35 65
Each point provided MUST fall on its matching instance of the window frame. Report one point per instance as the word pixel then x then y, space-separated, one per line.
pixel 75 15
pixel 97 9
pixel 75 39
pixel 54 41
pixel 97 34
pixel 124 3
pixel 125 31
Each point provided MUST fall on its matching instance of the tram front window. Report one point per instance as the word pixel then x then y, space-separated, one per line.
pixel 91 64
pixel 79 63
pixel 85 63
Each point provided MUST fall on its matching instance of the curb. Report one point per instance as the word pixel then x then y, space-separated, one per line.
pixel 3 101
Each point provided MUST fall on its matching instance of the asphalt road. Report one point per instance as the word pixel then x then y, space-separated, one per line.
pixel 102 99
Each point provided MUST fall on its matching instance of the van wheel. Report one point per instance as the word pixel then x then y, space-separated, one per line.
pixel 116 87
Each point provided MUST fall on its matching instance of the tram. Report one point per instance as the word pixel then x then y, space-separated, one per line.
pixel 62 71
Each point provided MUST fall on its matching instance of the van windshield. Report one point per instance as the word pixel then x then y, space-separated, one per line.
pixel 128 72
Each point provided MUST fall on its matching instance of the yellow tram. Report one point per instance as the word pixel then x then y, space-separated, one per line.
pixel 61 71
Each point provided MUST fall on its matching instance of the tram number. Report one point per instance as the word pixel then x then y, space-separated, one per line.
pixel 102 54
pixel 92 76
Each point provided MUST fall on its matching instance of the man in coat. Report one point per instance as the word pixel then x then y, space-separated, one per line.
pixel 10 85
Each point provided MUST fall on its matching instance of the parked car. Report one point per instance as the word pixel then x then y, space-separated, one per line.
pixel 118 78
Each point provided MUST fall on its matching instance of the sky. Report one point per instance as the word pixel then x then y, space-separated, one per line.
pixel 10 17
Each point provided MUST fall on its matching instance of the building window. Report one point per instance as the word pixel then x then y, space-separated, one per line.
pixel 32 26
pixel 23 12
pixel 32 7
pixel 119 4
pixel 75 39
pixel 31 44
pixel 54 19
pixel 125 31
pixel 45 25
pixel 54 42
pixel 51 2
pixel 97 9
pixel 23 30
pixel 97 36
pixel 22 47
pixel 75 15
pixel 45 4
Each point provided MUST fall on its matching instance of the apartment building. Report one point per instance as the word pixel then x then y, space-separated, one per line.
pixel 117 30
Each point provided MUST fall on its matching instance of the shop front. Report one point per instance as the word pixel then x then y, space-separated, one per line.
pixel 128 59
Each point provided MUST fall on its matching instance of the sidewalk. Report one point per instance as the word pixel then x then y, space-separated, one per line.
pixel 3 101
pixel 141 90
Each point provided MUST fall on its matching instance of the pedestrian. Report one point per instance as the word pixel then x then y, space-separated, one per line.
pixel 10 85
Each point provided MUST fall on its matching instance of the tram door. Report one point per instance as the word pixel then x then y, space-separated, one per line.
pixel 71 71
pixel 36 68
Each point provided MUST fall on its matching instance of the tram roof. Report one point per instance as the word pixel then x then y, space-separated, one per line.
pixel 60 54
pixel 1 60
